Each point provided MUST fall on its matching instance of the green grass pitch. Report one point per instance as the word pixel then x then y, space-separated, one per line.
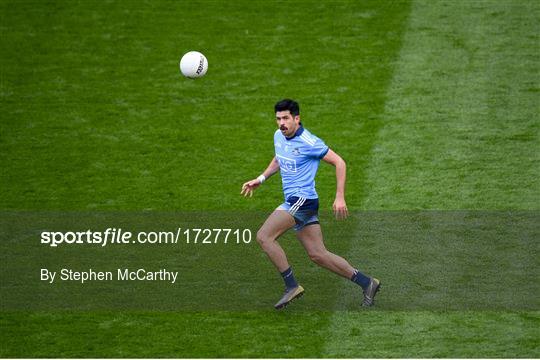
pixel 434 106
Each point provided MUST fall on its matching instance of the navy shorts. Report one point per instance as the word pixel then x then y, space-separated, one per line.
pixel 305 211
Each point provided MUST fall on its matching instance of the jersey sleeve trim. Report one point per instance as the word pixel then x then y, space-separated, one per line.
pixel 324 152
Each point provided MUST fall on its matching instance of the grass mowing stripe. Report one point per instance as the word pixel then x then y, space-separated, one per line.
pixel 97 118
pixel 425 334
pixel 461 133
pixel 162 334
pixel 463 119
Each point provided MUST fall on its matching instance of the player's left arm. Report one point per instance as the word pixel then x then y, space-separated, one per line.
pixel 340 207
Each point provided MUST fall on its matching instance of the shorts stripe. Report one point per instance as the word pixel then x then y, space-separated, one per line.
pixel 303 210
pixel 297 205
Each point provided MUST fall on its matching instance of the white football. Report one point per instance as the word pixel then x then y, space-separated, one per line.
pixel 193 64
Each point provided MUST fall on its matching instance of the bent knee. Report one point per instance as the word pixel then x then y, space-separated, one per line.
pixel 264 238
pixel 318 257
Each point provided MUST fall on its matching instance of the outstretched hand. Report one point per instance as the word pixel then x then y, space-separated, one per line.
pixel 249 187
pixel 340 209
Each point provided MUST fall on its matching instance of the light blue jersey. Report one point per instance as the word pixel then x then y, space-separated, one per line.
pixel 299 159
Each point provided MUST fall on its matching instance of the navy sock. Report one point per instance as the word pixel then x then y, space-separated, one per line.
pixel 360 279
pixel 288 277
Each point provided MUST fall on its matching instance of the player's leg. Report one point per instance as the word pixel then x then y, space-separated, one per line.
pixel 312 239
pixel 276 224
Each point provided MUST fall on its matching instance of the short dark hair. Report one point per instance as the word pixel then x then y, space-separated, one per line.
pixel 288 104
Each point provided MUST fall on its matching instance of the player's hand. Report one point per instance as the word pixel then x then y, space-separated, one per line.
pixel 340 208
pixel 248 187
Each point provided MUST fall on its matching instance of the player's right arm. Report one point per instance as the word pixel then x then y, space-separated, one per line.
pixel 248 187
